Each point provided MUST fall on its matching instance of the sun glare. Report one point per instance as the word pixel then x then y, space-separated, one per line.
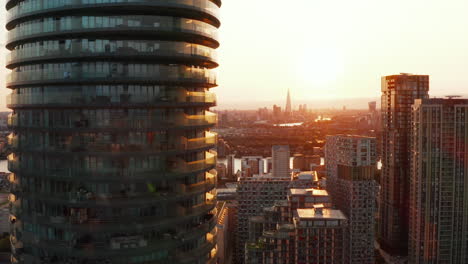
pixel 320 67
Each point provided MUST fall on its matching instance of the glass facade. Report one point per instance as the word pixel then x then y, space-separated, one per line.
pixel 398 94
pixel 112 151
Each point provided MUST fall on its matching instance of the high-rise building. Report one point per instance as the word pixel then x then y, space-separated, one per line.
pixel 373 117
pixel 398 94
pixel 288 108
pixel 224 233
pixel 351 164
pixel 438 194
pixel 372 106
pixel 262 113
pixel 252 165
pixel 110 130
pixel 231 160
pixel 223 148
pixel 280 158
pixel 277 115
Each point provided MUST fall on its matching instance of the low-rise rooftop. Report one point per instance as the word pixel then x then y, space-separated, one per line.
pixel 309 191
pixel 318 214
pixel 307 175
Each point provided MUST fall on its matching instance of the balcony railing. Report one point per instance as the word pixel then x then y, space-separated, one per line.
pixel 78 25
pixel 12 120
pixel 207 118
pixel 71 99
pixel 83 197
pixel 185 257
pixel 173 169
pixel 136 122
pixel 210 138
pixel 27 7
pixel 119 244
pixel 156 48
pixel 115 223
pixel 106 146
pixel 183 166
pixel 70 74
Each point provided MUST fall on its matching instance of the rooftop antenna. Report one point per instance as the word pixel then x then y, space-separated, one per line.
pixel 452 96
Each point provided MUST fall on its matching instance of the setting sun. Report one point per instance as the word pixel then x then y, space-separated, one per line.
pixel 320 66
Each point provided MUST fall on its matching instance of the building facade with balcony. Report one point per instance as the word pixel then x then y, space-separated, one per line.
pixel 398 95
pixel 301 229
pixel 111 140
pixel 254 194
pixel 438 195
pixel 351 166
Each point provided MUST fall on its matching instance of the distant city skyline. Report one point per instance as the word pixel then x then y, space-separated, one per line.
pixel 337 104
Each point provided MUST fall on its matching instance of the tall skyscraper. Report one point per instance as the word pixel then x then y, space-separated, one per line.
pixel 288 108
pixel 439 182
pixel 398 94
pixel 351 164
pixel 231 161
pixel 110 130
pixel 277 114
pixel 372 106
pixel 280 158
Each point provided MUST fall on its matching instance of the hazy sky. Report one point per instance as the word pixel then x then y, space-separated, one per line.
pixel 336 48
pixel 330 48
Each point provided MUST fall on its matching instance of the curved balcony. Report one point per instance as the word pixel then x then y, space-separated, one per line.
pixel 173 231
pixel 108 147
pixel 177 189
pixel 12 120
pixel 112 224
pixel 210 179
pixel 174 99
pixel 120 245
pixel 106 97
pixel 162 28
pixel 160 51
pixel 31 9
pixel 156 74
pixel 119 123
pixel 91 200
pixel 172 171
pixel 12 141
pixel 188 257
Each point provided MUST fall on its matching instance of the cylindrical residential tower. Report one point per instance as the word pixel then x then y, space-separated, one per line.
pixel 111 146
